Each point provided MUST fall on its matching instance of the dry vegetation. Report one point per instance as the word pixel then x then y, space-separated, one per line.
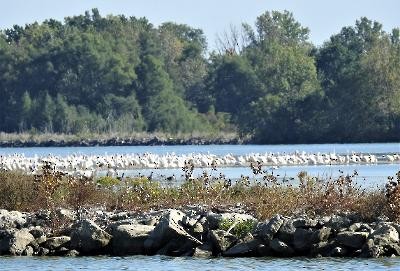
pixel 263 197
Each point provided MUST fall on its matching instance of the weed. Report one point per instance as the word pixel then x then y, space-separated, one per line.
pixel 238 228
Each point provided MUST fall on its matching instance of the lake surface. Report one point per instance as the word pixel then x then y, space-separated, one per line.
pixel 374 148
pixel 169 263
pixel 368 175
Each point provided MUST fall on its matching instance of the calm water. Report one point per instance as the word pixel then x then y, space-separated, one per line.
pixel 368 175
pixel 219 264
pixel 215 149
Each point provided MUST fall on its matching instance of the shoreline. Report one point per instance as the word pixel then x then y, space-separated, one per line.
pixel 12 140
pixel 196 231
pixel 50 140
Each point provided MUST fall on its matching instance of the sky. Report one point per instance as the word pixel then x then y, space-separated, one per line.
pixel 323 18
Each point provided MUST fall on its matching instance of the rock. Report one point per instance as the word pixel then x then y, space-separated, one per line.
pixel 151 221
pixel 66 214
pixel 37 232
pixel 321 235
pixel 188 222
pixel 14 242
pixel 303 240
pixel 42 251
pixel 268 230
pixel 53 243
pixel 198 228
pixel 11 220
pixel 120 216
pixel 203 251
pixel 39 235
pixel 129 239
pixel 338 252
pixel 264 250
pixel 281 248
pixel 286 232
pixel 222 240
pixel 72 253
pixel 111 227
pixel 322 248
pixel 386 231
pixel 170 228
pixel 89 238
pixel 351 239
pixel 28 251
pixel 61 251
pixel 360 227
pixel 384 241
pixel 246 248
pixel 304 222
pixel 338 222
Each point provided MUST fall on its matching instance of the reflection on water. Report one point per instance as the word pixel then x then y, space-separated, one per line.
pixel 219 264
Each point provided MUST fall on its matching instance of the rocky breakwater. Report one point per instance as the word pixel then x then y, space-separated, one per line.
pixel 194 231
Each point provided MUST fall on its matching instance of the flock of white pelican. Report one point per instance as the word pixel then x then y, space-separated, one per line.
pixel 89 165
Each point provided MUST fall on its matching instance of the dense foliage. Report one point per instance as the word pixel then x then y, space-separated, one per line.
pixel 117 74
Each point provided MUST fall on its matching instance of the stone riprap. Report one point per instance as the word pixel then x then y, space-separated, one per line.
pixel 194 231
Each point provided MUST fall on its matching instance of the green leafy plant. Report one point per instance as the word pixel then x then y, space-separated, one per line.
pixel 238 228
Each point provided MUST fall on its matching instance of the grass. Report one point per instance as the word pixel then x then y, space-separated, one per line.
pixel 262 198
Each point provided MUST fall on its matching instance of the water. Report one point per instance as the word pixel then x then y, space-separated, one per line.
pixel 369 176
pixel 374 148
pixel 218 264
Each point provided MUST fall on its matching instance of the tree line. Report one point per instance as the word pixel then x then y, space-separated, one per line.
pixel 268 81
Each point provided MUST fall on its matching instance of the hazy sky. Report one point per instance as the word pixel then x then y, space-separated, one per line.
pixel 324 18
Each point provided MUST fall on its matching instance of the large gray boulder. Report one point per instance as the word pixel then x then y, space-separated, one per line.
pixel 39 234
pixel 361 227
pixel 12 219
pixel 89 238
pixel 14 242
pixel 386 231
pixel 281 248
pixel 222 240
pixel 200 252
pixel 322 248
pixel 268 230
pixel 321 235
pixel 170 229
pixel 351 239
pixel 286 231
pixel 304 222
pixel 53 243
pixel 247 246
pixel 379 247
pixel 337 222
pixel 303 240
pixel 129 239
pixel 384 241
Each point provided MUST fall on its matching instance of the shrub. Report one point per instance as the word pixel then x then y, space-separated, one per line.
pixel 238 228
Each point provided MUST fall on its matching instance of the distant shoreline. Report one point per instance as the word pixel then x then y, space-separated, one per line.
pixel 56 140
pixel 22 140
